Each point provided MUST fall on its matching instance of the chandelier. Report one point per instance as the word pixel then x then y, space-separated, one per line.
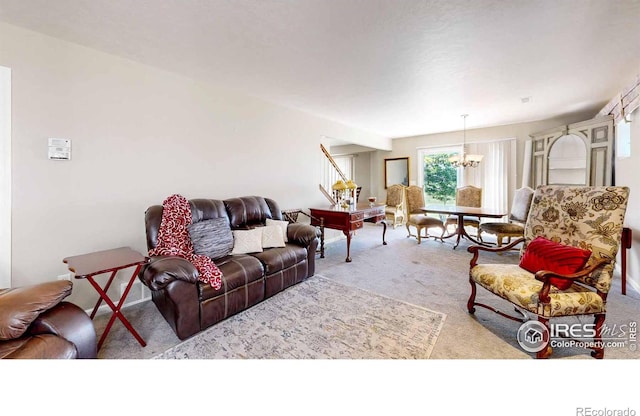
pixel 465 160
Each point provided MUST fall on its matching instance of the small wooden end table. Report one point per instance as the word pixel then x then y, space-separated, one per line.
pixel 86 266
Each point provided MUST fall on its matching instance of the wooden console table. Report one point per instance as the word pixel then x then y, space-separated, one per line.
pixel 348 220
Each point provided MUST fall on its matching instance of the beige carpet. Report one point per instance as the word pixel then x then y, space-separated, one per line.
pixel 319 319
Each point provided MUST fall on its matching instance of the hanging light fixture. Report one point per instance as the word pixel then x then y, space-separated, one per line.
pixel 465 160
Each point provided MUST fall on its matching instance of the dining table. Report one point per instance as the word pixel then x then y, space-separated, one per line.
pixel 461 211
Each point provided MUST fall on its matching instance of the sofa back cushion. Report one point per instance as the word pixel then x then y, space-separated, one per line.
pixel 212 238
pixel 247 211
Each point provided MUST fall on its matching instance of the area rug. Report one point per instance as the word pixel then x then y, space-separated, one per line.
pixel 319 319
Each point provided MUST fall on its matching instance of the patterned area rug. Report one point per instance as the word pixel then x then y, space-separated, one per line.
pixel 319 319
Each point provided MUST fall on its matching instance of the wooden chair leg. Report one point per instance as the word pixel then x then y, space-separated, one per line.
pixel 472 297
pixel 598 350
pixel 547 350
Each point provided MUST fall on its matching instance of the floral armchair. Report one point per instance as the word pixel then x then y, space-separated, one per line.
pixel 467 196
pixel 394 210
pixel 417 218
pixel 574 221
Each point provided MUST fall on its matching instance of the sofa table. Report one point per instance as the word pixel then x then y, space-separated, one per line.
pixel 86 266
pixel 348 220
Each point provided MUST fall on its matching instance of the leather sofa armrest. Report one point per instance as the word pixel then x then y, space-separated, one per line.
pixel 302 234
pixel 162 270
pixel 20 306
pixel 68 321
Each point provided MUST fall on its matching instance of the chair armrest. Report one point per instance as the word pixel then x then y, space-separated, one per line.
pixel 71 323
pixel 475 250
pixel 162 270
pixel 302 234
pixel 544 275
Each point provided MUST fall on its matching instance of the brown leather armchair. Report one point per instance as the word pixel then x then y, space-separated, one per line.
pixel 36 323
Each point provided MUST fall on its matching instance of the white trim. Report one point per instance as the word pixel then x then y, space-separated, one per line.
pixel 105 309
pixel 5 177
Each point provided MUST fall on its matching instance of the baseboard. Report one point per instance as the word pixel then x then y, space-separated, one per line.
pixel 137 294
pixel 633 285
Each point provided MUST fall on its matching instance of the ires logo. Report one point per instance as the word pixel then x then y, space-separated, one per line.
pixel 572 331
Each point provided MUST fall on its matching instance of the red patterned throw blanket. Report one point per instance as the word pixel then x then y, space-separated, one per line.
pixel 174 240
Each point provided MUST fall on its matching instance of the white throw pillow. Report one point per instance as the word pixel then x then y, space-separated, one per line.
pixel 282 224
pixel 247 241
pixel 272 236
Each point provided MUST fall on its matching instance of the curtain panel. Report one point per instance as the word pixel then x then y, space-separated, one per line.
pixel 496 174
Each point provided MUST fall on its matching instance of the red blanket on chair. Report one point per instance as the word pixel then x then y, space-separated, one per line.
pixel 174 240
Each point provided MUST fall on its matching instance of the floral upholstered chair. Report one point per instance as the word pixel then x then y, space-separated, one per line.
pixel 417 218
pixel 517 218
pixel 567 259
pixel 394 210
pixel 467 196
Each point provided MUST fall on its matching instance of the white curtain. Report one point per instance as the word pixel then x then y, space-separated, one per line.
pixel 496 174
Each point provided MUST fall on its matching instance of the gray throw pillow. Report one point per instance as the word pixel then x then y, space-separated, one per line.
pixel 211 238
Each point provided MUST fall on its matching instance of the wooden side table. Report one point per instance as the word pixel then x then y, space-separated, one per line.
pixel 86 266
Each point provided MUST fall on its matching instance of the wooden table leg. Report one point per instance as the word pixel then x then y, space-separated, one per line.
pixel 116 308
pixel 384 231
pixel 321 238
pixel 348 234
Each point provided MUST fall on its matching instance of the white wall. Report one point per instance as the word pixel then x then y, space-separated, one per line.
pixel 139 134
pixel 626 171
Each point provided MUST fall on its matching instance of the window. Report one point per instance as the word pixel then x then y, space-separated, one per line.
pixel 623 139
pixel 438 178
pixel 496 174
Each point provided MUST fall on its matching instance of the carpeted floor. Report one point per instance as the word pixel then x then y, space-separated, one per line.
pixel 431 275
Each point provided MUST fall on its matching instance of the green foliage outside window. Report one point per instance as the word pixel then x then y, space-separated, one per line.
pixel 440 178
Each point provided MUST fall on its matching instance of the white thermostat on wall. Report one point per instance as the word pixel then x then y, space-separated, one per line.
pixel 59 149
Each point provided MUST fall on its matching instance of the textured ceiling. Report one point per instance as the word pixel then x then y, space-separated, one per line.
pixel 392 67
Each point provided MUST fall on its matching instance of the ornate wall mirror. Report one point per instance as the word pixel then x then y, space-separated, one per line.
pixel 396 170
pixel 567 161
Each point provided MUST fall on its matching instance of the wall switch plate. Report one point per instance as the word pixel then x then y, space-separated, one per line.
pixel 59 149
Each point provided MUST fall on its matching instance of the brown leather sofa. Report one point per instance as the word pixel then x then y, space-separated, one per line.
pixel 36 323
pixel 190 306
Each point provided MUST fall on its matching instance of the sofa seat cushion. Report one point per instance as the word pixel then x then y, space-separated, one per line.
pixel 237 271
pixel 520 287
pixel 44 346
pixel 281 258
pixel 422 220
